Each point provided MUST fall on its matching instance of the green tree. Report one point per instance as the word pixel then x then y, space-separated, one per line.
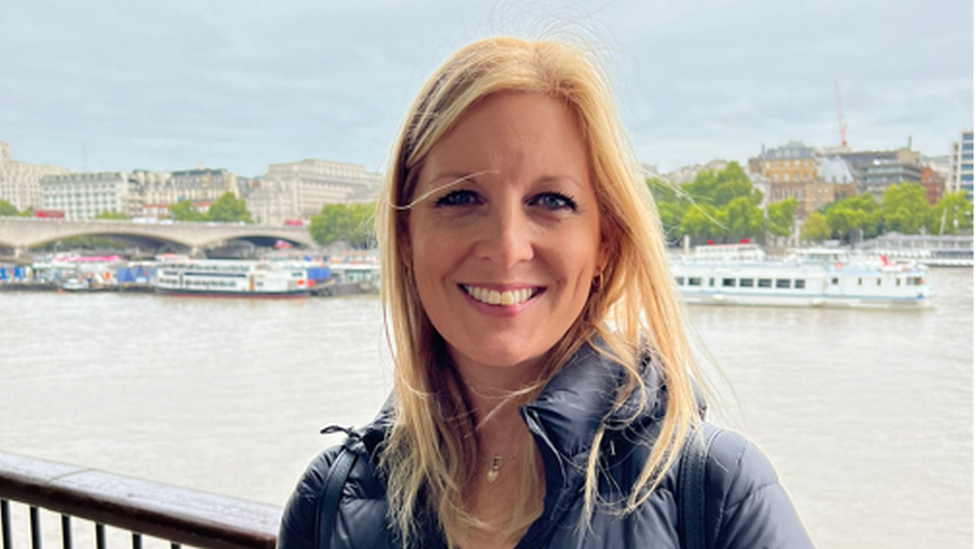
pixel 743 218
pixel 952 213
pixel 229 209
pixel 351 223
pixel 782 217
pixel 904 208
pixel 363 233
pixel 332 224
pixel 854 217
pixel 815 228
pixel 670 207
pixel 112 215
pixel 720 188
pixel 671 214
pixel 8 210
pixel 184 210
pixel 701 222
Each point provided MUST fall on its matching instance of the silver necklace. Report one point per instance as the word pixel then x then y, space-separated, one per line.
pixel 496 464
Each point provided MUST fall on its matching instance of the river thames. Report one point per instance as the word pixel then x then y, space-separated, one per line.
pixel 867 415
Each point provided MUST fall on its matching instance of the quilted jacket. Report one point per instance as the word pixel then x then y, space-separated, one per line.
pixel 745 506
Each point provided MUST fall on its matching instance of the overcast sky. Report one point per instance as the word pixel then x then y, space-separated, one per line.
pixel 238 84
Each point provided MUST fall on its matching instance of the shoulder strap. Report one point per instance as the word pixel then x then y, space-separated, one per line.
pixel 691 487
pixel 331 492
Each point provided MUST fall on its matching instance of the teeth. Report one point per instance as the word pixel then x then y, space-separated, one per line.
pixel 494 297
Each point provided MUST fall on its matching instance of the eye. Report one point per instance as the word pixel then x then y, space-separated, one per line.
pixel 554 201
pixel 457 198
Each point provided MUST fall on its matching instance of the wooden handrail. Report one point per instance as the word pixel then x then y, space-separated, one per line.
pixel 180 515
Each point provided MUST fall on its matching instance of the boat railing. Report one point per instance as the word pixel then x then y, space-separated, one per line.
pixel 163 513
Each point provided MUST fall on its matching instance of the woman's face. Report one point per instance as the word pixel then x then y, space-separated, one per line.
pixel 504 258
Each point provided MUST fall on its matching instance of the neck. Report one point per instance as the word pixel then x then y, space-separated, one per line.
pixel 495 393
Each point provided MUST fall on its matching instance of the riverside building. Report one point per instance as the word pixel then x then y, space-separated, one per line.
pixel 961 165
pixel 298 190
pixel 20 181
pixel 798 171
pixel 82 196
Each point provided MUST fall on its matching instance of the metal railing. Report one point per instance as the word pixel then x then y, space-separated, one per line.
pixel 178 515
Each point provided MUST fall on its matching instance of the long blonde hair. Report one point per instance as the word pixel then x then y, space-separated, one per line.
pixel 429 455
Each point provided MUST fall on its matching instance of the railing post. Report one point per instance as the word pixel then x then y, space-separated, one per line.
pixel 99 536
pixel 5 524
pixel 65 532
pixel 35 527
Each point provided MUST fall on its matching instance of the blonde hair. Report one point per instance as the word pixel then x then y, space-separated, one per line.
pixel 430 454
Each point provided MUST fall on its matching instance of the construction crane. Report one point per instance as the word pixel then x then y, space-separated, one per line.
pixel 840 118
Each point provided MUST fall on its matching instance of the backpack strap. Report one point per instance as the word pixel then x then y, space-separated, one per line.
pixel 691 486
pixel 331 493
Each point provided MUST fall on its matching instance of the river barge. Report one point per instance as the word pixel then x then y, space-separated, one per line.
pixel 230 278
pixel 740 274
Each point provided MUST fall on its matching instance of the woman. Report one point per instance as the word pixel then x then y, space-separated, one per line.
pixel 543 383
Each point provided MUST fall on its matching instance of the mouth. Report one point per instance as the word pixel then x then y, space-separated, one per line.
pixel 499 298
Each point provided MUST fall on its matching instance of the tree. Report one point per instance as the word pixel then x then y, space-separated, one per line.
pixel 952 213
pixel 701 222
pixel 670 206
pixel 8 210
pixel 720 188
pixel 184 210
pixel 815 228
pixel 352 223
pixel 854 217
pixel 743 218
pixel 363 233
pixel 904 208
pixel 112 215
pixel 782 217
pixel 670 214
pixel 229 209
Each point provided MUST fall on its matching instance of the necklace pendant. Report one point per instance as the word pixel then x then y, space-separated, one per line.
pixel 496 464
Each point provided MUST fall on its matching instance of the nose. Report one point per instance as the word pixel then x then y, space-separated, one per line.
pixel 507 236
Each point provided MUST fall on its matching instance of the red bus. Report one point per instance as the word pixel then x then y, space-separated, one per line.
pixel 56 214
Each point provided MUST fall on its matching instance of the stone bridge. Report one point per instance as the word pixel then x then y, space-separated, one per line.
pixel 19 234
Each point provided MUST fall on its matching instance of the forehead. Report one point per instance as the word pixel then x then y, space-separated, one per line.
pixel 514 135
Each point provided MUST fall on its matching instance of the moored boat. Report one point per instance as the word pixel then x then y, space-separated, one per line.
pixel 809 278
pixel 229 278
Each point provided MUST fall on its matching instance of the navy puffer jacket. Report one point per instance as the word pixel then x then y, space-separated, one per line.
pixel 745 505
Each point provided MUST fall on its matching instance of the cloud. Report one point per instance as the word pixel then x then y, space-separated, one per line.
pixel 239 84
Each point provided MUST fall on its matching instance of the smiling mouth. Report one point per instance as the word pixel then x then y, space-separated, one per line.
pixel 506 298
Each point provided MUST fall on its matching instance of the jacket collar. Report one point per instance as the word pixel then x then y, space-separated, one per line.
pixel 580 397
pixel 571 408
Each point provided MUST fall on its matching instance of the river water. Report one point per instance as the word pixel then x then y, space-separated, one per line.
pixel 867 415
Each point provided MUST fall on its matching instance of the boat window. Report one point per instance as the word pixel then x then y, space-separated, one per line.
pixel 728 283
pixel 799 284
pixel 860 281
pixel 746 282
pixel 783 283
pixel 680 280
pixel 694 281
pixel 897 282
pixel 834 281
pixel 711 281
pixel 765 283
pixel 879 282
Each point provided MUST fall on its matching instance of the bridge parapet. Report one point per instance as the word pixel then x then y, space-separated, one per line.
pixel 22 233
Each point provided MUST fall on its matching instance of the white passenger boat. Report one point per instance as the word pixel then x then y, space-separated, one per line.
pixel 229 278
pixel 740 274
